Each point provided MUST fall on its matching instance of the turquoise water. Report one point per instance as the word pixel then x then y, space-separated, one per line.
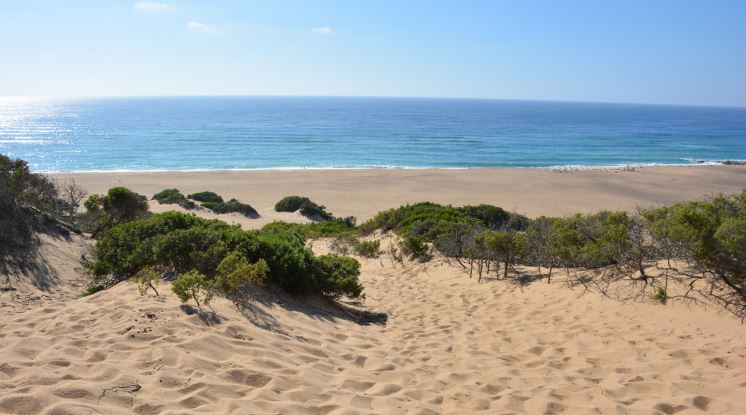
pixel 195 133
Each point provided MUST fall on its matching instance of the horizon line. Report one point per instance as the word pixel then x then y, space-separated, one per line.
pixel 72 97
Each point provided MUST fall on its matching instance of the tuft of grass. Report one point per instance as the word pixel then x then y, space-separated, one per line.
pixel 660 295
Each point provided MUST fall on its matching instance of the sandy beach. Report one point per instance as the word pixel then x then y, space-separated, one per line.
pixel 427 339
pixel 363 193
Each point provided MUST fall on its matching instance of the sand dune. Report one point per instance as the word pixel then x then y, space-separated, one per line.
pixel 449 345
pixel 426 340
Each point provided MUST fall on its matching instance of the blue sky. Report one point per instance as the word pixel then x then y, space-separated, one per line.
pixel 655 51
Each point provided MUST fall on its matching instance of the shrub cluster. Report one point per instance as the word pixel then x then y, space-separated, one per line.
pixel 430 221
pixel 177 243
pixel 26 200
pixel 215 203
pixel 332 228
pixel 307 207
pixel 708 236
pixel 119 205
pixel 173 197
pixel 206 196
pixel 368 249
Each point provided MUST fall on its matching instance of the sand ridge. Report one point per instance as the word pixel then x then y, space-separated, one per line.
pixel 449 345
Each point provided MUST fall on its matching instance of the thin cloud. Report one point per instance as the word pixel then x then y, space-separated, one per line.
pixel 322 30
pixel 204 28
pixel 152 7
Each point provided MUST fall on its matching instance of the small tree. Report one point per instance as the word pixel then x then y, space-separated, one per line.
pixel 193 285
pixel 120 205
pixel 538 238
pixel 147 279
pixel 72 194
pixel 235 272
pixel 508 246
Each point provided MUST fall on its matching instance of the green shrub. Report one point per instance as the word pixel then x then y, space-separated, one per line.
pixel 231 206
pixel 414 247
pixel 333 228
pixel 291 203
pixel 25 199
pixel 507 246
pixel 710 236
pixel 173 197
pixel 147 279
pixel 120 205
pixel 236 272
pixel 206 196
pixel 338 276
pixel 368 249
pixel 177 242
pixel 426 221
pixel 305 205
pixel 193 285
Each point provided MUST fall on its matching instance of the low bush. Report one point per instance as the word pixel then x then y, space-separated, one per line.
pixel 147 279
pixel 206 196
pixel 333 228
pixel 173 197
pixel 306 207
pixel 119 205
pixel 235 272
pixel 28 202
pixel 368 249
pixel 180 243
pixel 291 203
pixel 414 247
pixel 337 276
pixel 231 206
pixel 193 285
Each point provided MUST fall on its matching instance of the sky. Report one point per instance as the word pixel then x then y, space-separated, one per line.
pixel 652 51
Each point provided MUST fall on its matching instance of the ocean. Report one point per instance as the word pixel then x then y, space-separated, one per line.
pixel 211 133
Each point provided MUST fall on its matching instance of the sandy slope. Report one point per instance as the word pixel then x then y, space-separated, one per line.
pixel 50 272
pixel 449 345
pixel 365 192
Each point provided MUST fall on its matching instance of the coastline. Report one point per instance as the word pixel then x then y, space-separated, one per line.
pixel 559 167
pixel 362 192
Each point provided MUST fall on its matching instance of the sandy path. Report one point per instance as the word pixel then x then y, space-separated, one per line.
pixel 363 193
pixel 450 346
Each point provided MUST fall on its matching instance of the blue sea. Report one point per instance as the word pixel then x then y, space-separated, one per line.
pixel 205 133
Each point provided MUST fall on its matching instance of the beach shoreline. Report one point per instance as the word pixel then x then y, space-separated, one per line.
pixel 364 192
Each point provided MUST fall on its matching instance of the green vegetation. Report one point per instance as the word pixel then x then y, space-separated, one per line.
pixel 414 247
pixel 173 197
pixel 431 221
pixel 333 228
pixel 368 249
pixel 119 205
pixel 231 206
pixel 215 203
pixel 206 196
pixel 25 199
pixel 235 273
pixel 193 285
pixel 147 279
pixel 702 244
pixel 338 276
pixel 305 205
pixel 178 243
